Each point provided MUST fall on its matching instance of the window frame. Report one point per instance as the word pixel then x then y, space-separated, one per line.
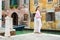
pixel 49 2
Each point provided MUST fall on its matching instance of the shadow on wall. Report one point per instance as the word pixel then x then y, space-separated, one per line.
pixel 32 17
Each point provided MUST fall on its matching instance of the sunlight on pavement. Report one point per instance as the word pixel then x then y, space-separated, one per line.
pixel 33 36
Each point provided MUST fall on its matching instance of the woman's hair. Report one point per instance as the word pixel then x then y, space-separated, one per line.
pixel 37 8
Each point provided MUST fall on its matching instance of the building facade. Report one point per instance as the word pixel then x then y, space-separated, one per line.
pixel 17 9
pixel 23 11
pixel 50 10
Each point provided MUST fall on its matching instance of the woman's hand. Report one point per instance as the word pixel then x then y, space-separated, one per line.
pixel 40 16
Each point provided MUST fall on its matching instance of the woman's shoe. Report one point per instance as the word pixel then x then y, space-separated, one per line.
pixel 38 32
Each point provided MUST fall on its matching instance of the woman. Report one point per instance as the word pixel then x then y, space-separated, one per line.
pixel 37 21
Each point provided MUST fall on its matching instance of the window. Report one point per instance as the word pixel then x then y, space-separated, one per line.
pixel 14 2
pixel 50 1
pixel 24 1
pixel 3 5
pixel 25 17
pixel 50 16
pixel 59 2
pixel 35 2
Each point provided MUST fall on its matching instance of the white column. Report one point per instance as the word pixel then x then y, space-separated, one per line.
pixel 7 4
pixel 8 25
pixel 0 13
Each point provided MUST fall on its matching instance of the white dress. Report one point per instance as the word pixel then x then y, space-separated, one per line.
pixel 37 22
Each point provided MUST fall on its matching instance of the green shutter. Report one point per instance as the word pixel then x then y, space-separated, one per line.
pixel 3 5
pixel 14 3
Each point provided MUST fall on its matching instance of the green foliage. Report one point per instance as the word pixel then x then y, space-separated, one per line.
pixel 14 6
pixel 11 7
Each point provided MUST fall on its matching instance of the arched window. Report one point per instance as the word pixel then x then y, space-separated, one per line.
pixel 14 2
pixel 25 17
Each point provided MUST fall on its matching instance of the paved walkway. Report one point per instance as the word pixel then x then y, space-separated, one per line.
pixel 32 36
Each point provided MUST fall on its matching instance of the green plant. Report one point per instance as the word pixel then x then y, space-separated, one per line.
pixel 13 6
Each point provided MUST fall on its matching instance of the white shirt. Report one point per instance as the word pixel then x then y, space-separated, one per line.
pixel 37 15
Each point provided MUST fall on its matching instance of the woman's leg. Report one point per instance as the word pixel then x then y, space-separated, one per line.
pixel 34 24
pixel 40 25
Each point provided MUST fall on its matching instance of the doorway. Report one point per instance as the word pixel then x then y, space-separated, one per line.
pixel 15 18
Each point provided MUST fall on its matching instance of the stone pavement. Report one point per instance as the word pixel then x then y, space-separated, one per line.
pixel 32 36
